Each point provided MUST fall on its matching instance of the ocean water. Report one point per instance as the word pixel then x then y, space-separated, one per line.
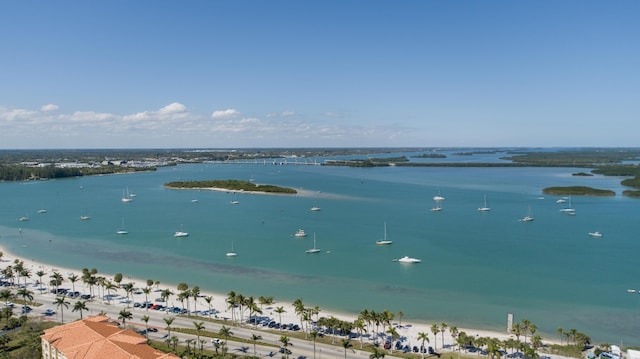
pixel 476 267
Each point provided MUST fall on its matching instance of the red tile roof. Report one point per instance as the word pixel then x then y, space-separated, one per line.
pixel 96 337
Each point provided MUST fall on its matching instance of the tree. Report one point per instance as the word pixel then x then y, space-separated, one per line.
pixel 61 303
pixel 443 328
pixel 346 344
pixel 560 332
pixel 169 321
pixel 285 343
pixel 377 353
pixel 209 299
pixel 146 291
pixel 314 335
pixel 124 315
pixel 393 333
pixel 26 294
pixel 359 326
pixel 73 278
pixel 254 339
pixel 40 274
pixel 79 306
pixel 231 304
pixel 226 333
pixel 195 293
pixel 117 278
pixel 56 280
pixel 424 337
pixel 199 327
pixel 109 286
pixel 280 310
pixel 400 314
pixel 165 294
pixel 145 319
pixel 128 289
pixel 435 330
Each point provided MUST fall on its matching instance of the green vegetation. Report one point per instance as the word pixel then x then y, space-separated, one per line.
pixel 369 162
pixel 232 185
pixel 22 173
pixel 578 191
pixel 582 174
pixel 576 157
pixel 24 342
pixel 430 155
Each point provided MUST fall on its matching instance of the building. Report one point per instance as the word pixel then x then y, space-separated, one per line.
pixel 96 338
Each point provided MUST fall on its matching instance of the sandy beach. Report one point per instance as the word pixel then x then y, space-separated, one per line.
pixel 407 330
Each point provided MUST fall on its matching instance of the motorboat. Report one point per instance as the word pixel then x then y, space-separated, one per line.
pixel 84 218
pixel 300 233
pixel 315 208
pixel 595 234
pixel 42 211
pixel 407 259
pixel 181 234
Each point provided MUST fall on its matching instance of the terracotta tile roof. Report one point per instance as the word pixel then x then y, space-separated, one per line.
pixel 95 337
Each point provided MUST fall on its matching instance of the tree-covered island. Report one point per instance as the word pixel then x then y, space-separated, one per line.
pixel 577 191
pixel 231 185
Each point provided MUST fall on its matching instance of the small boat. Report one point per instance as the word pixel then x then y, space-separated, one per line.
pixel 235 199
pixel 232 253
pixel 384 241
pixel 314 249
pixel 561 200
pixel 181 233
pixel 595 234
pixel 23 218
pixel 315 208
pixel 194 201
pixel 407 259
pixel 528 217
pixel 484 208
pixel 126 197
pixel 300 233
pixel 631 290
pixel 42 211
pixel 569 209
pixel 122 230
pixel 85 218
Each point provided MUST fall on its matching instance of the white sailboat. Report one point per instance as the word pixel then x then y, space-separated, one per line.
pixel 232 253
pixel 569 209
pixel 384 241
pixel 300 233
pixel 436 205
pixel 314 249
pixel 122 230
pixel 407 259
pixel 126 197
pixel 484 208
pixel 528 217
pixel 235 199
pixel 315 208
pixel 24 218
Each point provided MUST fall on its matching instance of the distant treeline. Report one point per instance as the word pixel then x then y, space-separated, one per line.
pixel 232 185
pixel 25 173
pixel 578 191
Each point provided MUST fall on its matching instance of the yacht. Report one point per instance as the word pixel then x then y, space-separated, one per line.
pixel 527 218
pixel 300 233
pixel 407 259
pixel 85 218
pixel 42 211
pixel 181 233
pixel 122 230
pixel 23 218
pixel 595 234
pixel 232 253
pixel 384 241
pixel 315 208
pixel 126 197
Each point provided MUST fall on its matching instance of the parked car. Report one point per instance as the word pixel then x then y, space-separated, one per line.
pixel 49 312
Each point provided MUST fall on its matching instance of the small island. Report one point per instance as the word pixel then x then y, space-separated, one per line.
pixel 231 185
pixel 577 191
pixel 582 174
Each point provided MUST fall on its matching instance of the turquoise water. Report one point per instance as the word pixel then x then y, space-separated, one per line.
pixel 476 267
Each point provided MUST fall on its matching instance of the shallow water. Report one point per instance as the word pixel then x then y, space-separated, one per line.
pixel 476 267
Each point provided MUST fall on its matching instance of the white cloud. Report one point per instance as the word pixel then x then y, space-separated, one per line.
pixel 228 113
pixel 49 107
pixel 281 114
pixel 172 109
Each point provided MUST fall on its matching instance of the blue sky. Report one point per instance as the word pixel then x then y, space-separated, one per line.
pixel 231 74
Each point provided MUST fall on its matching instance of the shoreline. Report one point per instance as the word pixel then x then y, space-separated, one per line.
pixel 409 329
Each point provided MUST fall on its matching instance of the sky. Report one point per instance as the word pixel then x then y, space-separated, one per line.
pixel 348 73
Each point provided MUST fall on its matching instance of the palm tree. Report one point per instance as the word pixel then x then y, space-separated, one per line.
pixel 435 330
pixel 299 308
pixel 280 310
pixel 346 344
pixel 226 333
pixel 400 314
pixel 443 328
pixel 40 274
pixel 377 353
pixel 26 294
pixel 145 319
pixel 265 300
pixel 208 299
pixel 61 303
pixel 73 278
pixel 169 320
pixel 393 333
pixel 195 293
pixel 453 330
pixel 254 339
pixel 314 335
pixel 359 326
pixel 109 286
pixel 425 338
pixel 560 332
pixel 124 315
pixel 199 327
pixel 146 291
pixel 165 294
pixel 117 278
pixel 285 343
pixel 231 303
pixel 56 280
pixel 79 306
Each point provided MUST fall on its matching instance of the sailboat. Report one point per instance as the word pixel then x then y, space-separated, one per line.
pixel 122 230
pixel 569 209
pixel 235 199
pixel 181 233
pixel 232 253
pixel 436 206
pixel 300 233
pixel 484 208
pixel 315 208
pixel 314 249
pixel 24 218
pixel 528 217
pixel 126 197
pixel 384 241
